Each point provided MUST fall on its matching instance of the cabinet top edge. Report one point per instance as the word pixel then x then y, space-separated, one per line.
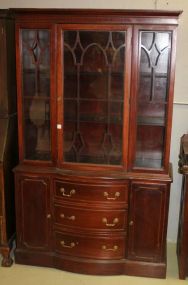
pixel 97 15
pixel 5 13
pixel 123 12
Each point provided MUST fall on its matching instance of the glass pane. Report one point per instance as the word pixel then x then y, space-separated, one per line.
pixel 149 146
pixel 36 93
pixel 37 129
pixel 152 98
pixel 70 75
pixel 93 96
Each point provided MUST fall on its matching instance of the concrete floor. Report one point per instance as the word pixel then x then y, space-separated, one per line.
pixel 31 275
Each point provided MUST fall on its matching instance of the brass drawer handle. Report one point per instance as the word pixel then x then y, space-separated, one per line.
pixel 71 245
pixel 114 248
pixel 72 192
pixel 106 194
pixel 115 221
pixel 72 218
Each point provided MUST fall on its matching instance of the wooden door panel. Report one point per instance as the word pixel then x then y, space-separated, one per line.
pixel 34 197
pixel 147 221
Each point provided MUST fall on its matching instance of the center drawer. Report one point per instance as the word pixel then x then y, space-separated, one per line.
pixel 90 246
pixel 68 191
pixel 88 218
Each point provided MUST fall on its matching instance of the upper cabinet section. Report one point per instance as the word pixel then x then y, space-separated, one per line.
pixel 95 87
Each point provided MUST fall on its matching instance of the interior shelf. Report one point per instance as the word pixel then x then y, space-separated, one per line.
pixel 94 100
pixel 41 70
pixel 36 97
pixel 91 73
pixel 157 75
pixel 151 121
pixel 148 163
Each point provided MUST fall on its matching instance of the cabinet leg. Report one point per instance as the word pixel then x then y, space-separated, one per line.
pixel 182 267
pixel 181 276
pixel 7 260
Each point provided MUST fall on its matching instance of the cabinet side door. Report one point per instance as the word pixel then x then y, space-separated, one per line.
pixel 147 223
pixel 33 223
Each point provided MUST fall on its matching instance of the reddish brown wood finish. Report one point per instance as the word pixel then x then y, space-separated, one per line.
pixel 8 135
pixel 86 217
pixel 101 193
pixel 82 217
pixel 88 246
pixel 90 218
pixel 94 16
pixel 34 200
pixel 182 245
pixel 149 224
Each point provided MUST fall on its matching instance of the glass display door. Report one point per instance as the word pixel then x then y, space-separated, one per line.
pixel 152 98
pixel 94 91
pixel 36 93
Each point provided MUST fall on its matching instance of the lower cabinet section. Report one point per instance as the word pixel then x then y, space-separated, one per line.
pixel 121 232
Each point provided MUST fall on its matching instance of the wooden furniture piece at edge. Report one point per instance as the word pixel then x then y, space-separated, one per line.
pixel 182 240
pixel 8 134
pixel 95 96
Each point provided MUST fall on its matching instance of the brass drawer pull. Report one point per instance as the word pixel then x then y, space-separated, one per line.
pixel 106 194
pixel 115 221
pixel 72 244
pixel 72 192
pixel 72 218
pixel 114 248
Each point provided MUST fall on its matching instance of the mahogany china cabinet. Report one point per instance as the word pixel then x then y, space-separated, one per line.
pixel 182 240
pixel 8 134
pixel 95 95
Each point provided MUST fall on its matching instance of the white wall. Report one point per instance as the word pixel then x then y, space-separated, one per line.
pixel 180 117
pixel 179 127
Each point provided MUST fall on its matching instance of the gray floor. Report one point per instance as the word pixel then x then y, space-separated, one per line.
pixel 30 275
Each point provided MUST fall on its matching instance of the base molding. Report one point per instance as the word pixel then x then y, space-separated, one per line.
pixel 145 269
pixel 91 266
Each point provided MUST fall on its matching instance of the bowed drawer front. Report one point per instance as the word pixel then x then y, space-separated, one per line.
pixel 90 218
pixel 100 247
pixel 83 192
